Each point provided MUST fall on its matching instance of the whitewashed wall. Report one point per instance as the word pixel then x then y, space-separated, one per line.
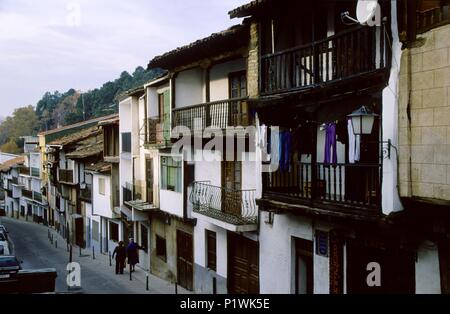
pixel 428 280
pixel 189 88
pixel 102 203
pixel 219 84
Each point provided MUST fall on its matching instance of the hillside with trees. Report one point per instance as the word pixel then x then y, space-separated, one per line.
pixel 56 109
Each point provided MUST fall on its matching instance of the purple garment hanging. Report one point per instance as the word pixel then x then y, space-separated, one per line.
pixel 330 144
pixel 285 154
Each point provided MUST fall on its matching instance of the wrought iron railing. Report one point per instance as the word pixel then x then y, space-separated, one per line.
pixel 66 175
pixel 347 54
pixel 235 206
pixel 218 114
pixel 353 184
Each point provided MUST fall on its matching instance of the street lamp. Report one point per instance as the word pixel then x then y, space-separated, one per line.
pixel 362 120
pixel 362 123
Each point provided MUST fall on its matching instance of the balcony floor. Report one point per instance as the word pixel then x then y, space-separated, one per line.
pixel 228 221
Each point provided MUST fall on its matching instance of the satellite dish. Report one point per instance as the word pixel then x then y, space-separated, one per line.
pixel 366 10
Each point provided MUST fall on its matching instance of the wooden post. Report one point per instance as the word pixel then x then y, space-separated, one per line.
pixel 80 251
pixel 110 262
pixel 146 287
pixel 93 252
pixel 70 254
pixel 56 244
pixel 130 274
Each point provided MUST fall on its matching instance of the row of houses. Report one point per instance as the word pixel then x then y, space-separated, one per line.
pixel 291 153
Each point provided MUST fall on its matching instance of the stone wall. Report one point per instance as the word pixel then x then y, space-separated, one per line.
pixel 424 117
pixel 253 62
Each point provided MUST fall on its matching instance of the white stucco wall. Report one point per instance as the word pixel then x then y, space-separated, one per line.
pixel 189 88
pixel 219 83
pixel 428 280
pixel 200 246
pixel 170 201
pixel 102 203
pixel 276 252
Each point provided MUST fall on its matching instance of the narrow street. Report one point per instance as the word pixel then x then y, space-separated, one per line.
pixel 31 245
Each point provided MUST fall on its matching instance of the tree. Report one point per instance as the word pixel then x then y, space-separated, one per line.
pixel 10 147
pixel 23 122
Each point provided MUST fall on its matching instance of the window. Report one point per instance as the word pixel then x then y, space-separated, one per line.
pixel 161 248
pixel 101 186
pixel 113 232
pixel 95 228
pixel 170 174
pixel 211 247
pixel 238 84
pixel 144 238
pixel 126 142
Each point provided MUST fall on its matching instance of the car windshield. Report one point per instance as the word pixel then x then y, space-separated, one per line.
pixel 8 262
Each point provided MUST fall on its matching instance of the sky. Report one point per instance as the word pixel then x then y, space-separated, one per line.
pixel 50 45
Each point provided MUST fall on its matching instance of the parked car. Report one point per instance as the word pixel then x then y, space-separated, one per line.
pixel 2 227
pixel 9 267
pixel 4 241
pixel 4 250
pixel 4 234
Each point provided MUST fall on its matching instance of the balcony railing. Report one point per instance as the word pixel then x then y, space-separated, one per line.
pixel 66 175
pixel 356 185
pixel 235 207
pixel 27 194
pixel 132 192
pixel 434 17
pixel 86 193
pixel 35 172
pixel 218 114
pixel 37 197
pixel 347 54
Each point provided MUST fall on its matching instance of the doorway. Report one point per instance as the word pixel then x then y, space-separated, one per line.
pixel 185 260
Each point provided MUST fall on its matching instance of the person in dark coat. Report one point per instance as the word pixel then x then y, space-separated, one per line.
pixel 120 253
pixel 133 254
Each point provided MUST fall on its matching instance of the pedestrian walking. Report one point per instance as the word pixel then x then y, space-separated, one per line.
pixel 120 253
pixel 133 254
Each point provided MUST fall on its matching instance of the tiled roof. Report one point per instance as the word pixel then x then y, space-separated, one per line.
pixel 246 9
pixel 76 125
pixel 216 43
pixel 86 151
pixel 114 120
pixel 77 137
pixel 99 167
pixel 11 163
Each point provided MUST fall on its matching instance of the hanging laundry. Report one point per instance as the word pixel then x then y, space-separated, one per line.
pixel 354 144
pixel 285 156
pixel 330 144
pixel 275 147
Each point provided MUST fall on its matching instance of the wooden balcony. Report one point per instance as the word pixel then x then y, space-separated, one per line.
pixel 86 193
pixel 351 53
pixel 230 206
pixel 352 186
pixel 157 133
pixel 66 176
pixel 217 115
pixel 37 197
pixel 24 171
pixel 27 194
pixel 433 17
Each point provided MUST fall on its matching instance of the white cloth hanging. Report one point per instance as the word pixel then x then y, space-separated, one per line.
pixel 354 144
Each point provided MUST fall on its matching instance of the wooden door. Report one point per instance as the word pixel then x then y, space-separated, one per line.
pixel 232 186
pixel 243 265
pixel 185 260
pixel 149 180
